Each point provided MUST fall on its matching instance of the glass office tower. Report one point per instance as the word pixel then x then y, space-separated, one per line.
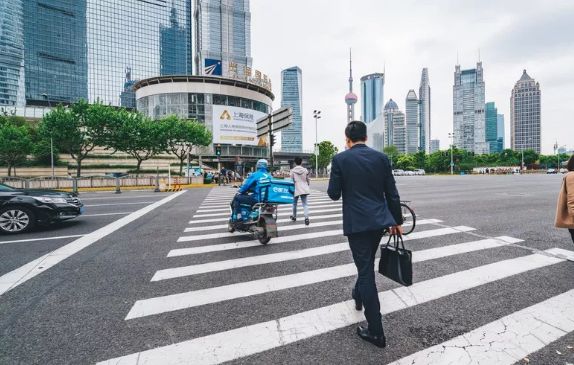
pixel 412 122
pixel 150 38
pixel 500 131
pixel 491 117
pixel 55 51
pixel 292 95
pixel 222 38
pixel 372 96
pixel 11 51
pixel 425 112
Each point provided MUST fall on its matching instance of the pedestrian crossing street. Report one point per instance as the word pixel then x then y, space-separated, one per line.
pixel 505 340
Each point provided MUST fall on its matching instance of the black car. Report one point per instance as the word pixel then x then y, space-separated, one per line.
pixel 22 209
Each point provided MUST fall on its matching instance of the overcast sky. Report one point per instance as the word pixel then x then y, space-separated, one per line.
pixel 407 35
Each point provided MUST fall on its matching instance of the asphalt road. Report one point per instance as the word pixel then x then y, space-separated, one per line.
pixel 155 279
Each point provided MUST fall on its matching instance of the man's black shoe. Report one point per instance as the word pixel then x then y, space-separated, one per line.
pixel 379 341
pixel 293 219
pixel 306 221
pixel 358 303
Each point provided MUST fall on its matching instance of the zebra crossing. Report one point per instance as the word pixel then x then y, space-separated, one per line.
pixel 209 249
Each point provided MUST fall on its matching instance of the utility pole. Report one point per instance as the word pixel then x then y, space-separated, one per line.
pixel 51 139
pixel 316 115
pixel 451 135
pixel 271 140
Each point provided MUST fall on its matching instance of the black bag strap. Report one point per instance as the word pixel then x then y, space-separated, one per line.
pixel 396 239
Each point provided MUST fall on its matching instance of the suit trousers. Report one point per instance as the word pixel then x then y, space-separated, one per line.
pixel 364 247
pixel 572 234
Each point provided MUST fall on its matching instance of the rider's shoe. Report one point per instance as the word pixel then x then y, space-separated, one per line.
pixel 293 219
pixel 306 221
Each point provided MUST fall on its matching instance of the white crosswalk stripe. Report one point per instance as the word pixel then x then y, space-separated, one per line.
pixel 505 340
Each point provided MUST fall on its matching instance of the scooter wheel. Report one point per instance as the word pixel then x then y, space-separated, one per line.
pixel 230 227
pixel 264 240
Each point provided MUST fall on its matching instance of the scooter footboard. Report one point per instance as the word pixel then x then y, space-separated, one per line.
pixel 270 225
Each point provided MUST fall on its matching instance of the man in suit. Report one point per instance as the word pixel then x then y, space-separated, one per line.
pixel 371 204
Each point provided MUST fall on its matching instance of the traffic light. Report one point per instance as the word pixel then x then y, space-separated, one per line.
pixel 218 151
pixel 272 140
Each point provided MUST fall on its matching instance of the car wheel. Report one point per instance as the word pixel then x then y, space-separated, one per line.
pixel 16 220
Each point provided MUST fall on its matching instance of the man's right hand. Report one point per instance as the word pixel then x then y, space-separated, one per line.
pixel 397 230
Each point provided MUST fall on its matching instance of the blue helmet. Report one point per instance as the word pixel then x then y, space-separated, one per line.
pixel 262 164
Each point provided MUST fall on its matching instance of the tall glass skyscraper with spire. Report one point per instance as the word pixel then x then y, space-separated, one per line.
pixel 372 96
pixel 425 112
pixel 11 51
pixel 292 95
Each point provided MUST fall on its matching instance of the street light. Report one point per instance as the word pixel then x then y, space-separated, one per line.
pixel 316 115
pixel 51 139
pixel 451 135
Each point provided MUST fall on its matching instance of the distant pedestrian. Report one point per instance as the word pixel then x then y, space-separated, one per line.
pixel 565 208
pixel 371 204
pixel 300 176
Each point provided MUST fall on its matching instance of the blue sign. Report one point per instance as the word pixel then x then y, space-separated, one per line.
pixel 212 67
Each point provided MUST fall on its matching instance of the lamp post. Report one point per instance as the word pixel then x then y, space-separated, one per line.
pixel 451 135
pixel 51 139
pixel 316 115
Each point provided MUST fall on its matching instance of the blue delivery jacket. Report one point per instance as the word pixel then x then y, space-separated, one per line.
pixel 255 183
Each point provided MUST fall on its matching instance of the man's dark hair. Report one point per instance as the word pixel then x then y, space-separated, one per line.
pixel 356 131
pixel 298 161
pixel 570 165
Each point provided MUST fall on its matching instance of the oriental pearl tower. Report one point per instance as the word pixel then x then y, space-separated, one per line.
pixel 350 98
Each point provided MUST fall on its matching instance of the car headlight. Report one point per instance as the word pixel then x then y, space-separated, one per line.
pixel 49 200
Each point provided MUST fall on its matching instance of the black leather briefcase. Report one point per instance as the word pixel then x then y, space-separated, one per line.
pixel 396 261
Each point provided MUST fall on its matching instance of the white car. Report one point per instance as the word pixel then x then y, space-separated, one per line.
pixel 398 172
pixel 420 172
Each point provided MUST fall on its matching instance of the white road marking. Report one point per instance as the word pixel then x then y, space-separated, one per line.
pixel 225 204
pixel 282 229
pixel 28 271
pixel 110 204
pixel 305 236
pixel 263 259
pixel 249 340
pixel 123 197
pixel 196 298
pixel 104 214
pixel 281 207
pixel 505 341
pixel 226 213
pixel 225 219
pixel 41 239
pixel 220 226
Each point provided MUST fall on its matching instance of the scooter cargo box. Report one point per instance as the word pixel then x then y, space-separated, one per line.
pixel 280 191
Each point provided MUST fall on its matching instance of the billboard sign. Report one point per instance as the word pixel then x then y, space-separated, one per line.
pixel 233 125
pixel 212 67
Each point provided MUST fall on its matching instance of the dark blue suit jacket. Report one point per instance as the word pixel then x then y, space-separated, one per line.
pixel 364 178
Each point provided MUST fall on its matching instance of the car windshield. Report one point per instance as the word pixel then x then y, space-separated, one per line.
pixel 6 188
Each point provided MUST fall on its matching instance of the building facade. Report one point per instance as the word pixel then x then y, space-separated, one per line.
pixel 425 112
pixel 525 131
pixel 412 122
pixel 11 52
pixel 500 132
pixel 222 38
pixel 372 96
pixel 434 145
pixel 55 51
pixel 395 128
pixel 292 95
pixel 70 50
pixel 491 121
pixel 468 110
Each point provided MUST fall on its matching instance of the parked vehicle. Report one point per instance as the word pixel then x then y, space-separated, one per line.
pixel 563 171
pixel 398 172
pixel 420 172
pixel 551 171
pixel 23 209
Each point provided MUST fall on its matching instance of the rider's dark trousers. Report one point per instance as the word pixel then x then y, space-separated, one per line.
pixel 572 234
pixel 364 247
pixel 242 199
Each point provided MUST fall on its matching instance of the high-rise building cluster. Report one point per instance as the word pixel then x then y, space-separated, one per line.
pixel 477 125
pixel 410 131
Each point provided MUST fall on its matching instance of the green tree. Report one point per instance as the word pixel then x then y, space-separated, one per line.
pixel 327 151
pixel 530 157
pixel 76 129
pixel 406 162
pixel 137 135
pixel 15 144
pixel 182 135
pixel 392 152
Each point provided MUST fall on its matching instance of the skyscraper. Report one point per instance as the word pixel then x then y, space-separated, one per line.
pixel 434 145
pixel 55 51
pixel 395 129
pixel 491 121
pixel 372 97
pixel 525 115
pixel 412 122
pixel 128 95
pixel 425 112
pixel 11 51
pixel 468 110
pixel 222 38
pixel 175 55
pixel 500 131
pixel 350 98
pixel 292 95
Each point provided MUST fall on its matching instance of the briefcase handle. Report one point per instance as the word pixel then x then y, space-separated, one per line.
pixel 396 239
